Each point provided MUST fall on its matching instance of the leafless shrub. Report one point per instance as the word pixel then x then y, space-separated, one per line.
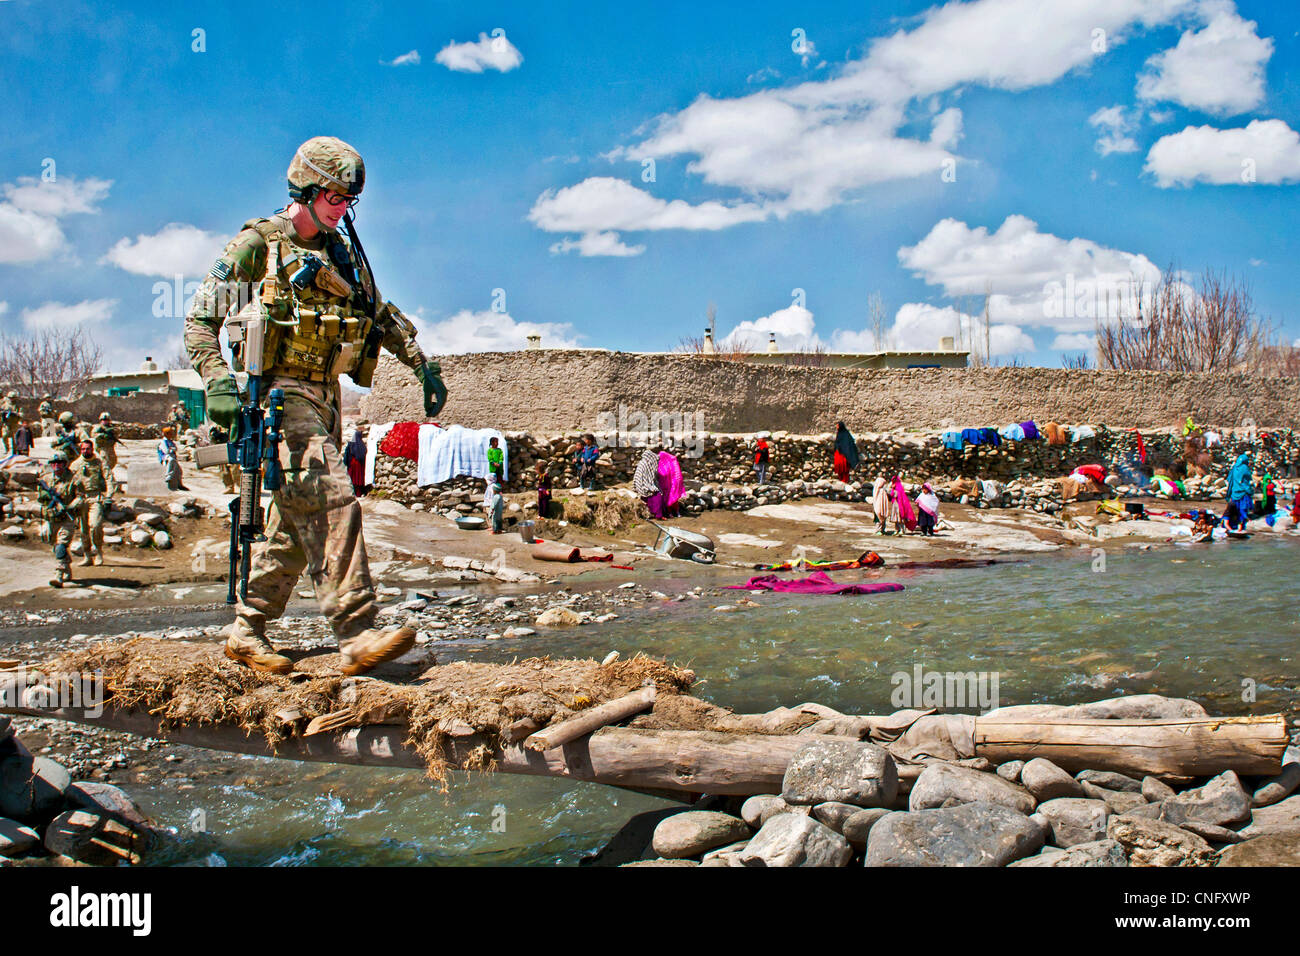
pixel 1176 327
pixel 56 362
pixel 180 360
pixel 1081 360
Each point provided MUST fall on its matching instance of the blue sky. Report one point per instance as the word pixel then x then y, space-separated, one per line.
pixel 920 152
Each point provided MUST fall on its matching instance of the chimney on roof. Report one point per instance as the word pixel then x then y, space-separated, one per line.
pixel 148 365
pixel 771 342
pixel 708 348
pixel 534 341
pixel 947 344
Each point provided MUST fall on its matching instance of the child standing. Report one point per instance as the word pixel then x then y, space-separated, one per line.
pixel 494 504
pixel 496 460
pixel 761 458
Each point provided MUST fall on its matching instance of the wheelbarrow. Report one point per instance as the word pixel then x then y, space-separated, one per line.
pixel 687 545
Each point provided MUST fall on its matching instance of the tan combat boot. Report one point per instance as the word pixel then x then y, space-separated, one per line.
pixel 257 653
pixel 86 562
pixel 99 557
pixel 371 648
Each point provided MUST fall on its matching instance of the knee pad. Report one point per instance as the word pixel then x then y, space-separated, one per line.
pixel 61 551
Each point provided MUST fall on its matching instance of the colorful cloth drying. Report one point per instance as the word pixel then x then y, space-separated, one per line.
pixel 951 440
pixel 816 583
pixel 1031 431
pixel 1012 432
pixel 868 559
pixel 402 441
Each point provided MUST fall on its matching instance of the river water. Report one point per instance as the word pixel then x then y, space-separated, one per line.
pixel 1217 623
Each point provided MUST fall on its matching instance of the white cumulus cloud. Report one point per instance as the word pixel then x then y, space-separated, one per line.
pixel 1114 126
pixel 410 58
pixel 793 326
pixel 1026 270
pixel 488 53
pixel 1074 342
pixel 919 326
pixel 58 315
pixel 596 244
pixel 1218 69
pixel 487 331
pixel 176 249
pixel 31 210
pixel 1264 151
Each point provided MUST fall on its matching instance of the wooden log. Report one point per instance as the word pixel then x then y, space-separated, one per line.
pixel 1189 747
pixel 591 720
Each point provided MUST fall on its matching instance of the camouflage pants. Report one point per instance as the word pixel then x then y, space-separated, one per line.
pixel 49 428
pixel 91 525
pixel 109 456
pixel 7 437
pixel 313 523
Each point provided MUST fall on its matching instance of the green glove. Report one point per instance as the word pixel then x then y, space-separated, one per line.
pixel 435 393
pixel 223 401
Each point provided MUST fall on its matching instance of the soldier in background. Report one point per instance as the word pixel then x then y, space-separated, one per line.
pixel 88 473
pixel 61 516
pixel 307 276
pixel 106 442
pixel 180 418
pixel 46 412
pixel 64 436
pixel 9 421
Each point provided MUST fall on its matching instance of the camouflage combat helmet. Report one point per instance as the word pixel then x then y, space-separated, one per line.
pixel 58 458
pixel 12 395
pixel 105 417
pixel 66 418
pixel 324 162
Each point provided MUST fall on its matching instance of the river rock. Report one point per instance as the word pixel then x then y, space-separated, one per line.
pixel 1010 771
pixel 16 839
pixel 857 828
pixel 841 771
pixel 1075 820
pixel 1046 781
pixel 696 831
pixel 107 800
pixel 31 788
pixel 1110 780
pixel 91 838
pixel 790 839
pixel 1274 849
pixel 728 855
pixel 162 540
pixel 558 617
pixel 1221 801
pixel 834 814
pixel 1117 801
pixel 140 537
pixel 757 810
pixel 1211 833
pixel 1272 819
pixel 1094 853
pixel 973 834
pixel 1156 790
pixel 1156 843
pixel 940 782
pixel 1269 792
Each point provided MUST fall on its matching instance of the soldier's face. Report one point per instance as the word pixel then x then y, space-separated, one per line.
pixel 87 450
pixel 327 210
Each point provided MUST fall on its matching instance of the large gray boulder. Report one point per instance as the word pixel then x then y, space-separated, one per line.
pixel 1222 801
pixel 31 788
pixel 1075 820
pixel 1110 780
pixel 1156 843
pixel 973 834
pixel 940 783
pixel 1096 853
pixel 1046 781
pixel 834 814
pixel 695 832
pixel 760 808
pixel 1156 790
pixel 94 839
pixel 790 839
pixel 841 771
pixel 1117 801
pixel 857 828
pixel 1276 789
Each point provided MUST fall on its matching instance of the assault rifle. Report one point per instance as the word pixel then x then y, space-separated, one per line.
pixel 58 502
pixel 255 448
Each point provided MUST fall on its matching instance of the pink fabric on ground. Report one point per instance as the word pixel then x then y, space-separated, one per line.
pixel 670 478
pixel 819 582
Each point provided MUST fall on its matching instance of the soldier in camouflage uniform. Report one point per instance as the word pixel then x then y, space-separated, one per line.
pixel 106 442
pixel 64 436
pixel 325 318
pixel 46 412
pixel 9 421
pixel 88 472
pixel 180 417
pixel 61 519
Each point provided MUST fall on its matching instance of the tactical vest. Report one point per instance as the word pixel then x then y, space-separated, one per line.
pixel 66 489
pixel 312 333
pixel 90 475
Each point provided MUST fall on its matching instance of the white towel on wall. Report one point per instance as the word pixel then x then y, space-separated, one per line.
pixel 457 450
pixel 373 438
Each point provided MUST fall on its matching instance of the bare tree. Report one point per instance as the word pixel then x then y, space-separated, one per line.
pixel 1173 326
pixel 56 362
pixel 179 360
pixel 877 317
pixel 1080 360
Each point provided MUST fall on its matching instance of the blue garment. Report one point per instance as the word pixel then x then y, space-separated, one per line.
pixel 1012 432
pixel 1031 430
pixel 990 436
pixel 951 440
pixel 1239 512
pixel 970 436
pixel 1239 479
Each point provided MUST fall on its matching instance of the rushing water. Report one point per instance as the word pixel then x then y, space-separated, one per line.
pixel 1210 622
